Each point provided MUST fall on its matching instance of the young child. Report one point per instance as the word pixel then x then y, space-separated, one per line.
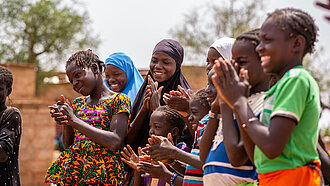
pixel 227 156
pixel 163 121
pixel 199 108
pixel 10 132
pixel 286 138
pixel 94 127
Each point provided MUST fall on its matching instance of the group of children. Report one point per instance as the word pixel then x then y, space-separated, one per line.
pixel 256 122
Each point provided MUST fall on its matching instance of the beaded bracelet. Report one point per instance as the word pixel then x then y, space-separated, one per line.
pixel 214 115
pixel 173 177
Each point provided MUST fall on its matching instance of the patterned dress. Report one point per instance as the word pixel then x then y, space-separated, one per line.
pixel 86 162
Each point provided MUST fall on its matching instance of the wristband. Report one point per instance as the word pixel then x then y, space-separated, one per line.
pixel 173 177
pixel 214 115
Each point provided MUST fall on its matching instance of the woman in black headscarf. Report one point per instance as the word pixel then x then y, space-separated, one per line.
pixel 165 68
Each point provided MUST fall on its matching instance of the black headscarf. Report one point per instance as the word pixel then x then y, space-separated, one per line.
pixel 175 51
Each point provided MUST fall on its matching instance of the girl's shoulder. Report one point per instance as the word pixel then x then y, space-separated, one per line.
pixel 11 114
pixel 80 99
pixel 10 111
pixel 118 97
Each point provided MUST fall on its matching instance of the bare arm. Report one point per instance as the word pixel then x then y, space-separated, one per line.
pixel 68 135
pixel 233 90
pixel 137 179
pixel 271 140
pixel 136 125
pixel 248 143
pixel 209 133
pixel 166 150
pixel 232 139
pixel 112 139
pixel 325 161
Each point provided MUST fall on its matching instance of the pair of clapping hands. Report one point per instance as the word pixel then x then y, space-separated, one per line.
pixel 151 158
pixel 177 100
pixel 61 111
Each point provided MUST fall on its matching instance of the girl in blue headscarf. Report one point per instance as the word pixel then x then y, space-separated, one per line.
pixel 122 76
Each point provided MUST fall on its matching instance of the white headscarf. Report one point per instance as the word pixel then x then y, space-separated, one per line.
pixel 223 46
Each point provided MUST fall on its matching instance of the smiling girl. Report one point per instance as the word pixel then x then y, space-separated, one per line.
pixel 94 127
pixel 286 137
pixel 165 69
pixel 122 76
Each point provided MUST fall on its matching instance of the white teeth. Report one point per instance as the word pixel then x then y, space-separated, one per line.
pixel 158 73
pixel 265 58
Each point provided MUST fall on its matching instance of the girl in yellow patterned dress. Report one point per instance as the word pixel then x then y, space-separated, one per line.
pixel 94 127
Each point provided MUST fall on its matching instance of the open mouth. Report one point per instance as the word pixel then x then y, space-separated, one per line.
pixel 114 85
pixel 265 59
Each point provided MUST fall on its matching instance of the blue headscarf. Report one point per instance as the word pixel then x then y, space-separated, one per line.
pixel 134 78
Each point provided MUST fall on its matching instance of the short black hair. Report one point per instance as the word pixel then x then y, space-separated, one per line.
pixel 85 59
pixel 173 118
pixel 297 22
pixel 201 96
pixel 7 76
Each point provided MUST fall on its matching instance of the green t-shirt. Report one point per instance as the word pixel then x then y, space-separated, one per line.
pixel 296 96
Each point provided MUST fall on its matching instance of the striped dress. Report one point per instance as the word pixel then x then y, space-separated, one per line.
pixel 194 176
pixel 217 168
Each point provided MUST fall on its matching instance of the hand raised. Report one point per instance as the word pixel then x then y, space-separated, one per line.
pixel 229 85
pixel 155 94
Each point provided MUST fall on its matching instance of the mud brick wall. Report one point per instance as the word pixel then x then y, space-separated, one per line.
pixel 37 141
pixel 24 85
pixel 196 76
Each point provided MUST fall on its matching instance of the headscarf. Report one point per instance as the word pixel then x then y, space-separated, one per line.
pixel 134 78
pixel 175 51
pixel 223 46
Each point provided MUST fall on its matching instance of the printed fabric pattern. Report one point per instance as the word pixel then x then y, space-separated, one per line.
pixel 86 162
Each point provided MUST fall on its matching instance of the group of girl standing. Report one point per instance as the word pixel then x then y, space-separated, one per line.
pixel 254 123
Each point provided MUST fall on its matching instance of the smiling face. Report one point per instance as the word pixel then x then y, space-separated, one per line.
pixel 274 48
pixel 158 125
pixel 210 90
pixel 115 78
pixel 82 80
pixel 197 112
pixel 244 54
pixel 212 55
pixel 162 66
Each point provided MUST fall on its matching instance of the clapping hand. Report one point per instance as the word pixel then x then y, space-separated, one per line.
pixel 178 100
pixel 130 158
pixel 229 85
pixel 155 93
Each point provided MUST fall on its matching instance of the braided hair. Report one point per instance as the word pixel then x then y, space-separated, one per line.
pixel 201 96
pixel 251 36
pixel 84 59
pixel 297 22
pixel 173 118
pixel 7 77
